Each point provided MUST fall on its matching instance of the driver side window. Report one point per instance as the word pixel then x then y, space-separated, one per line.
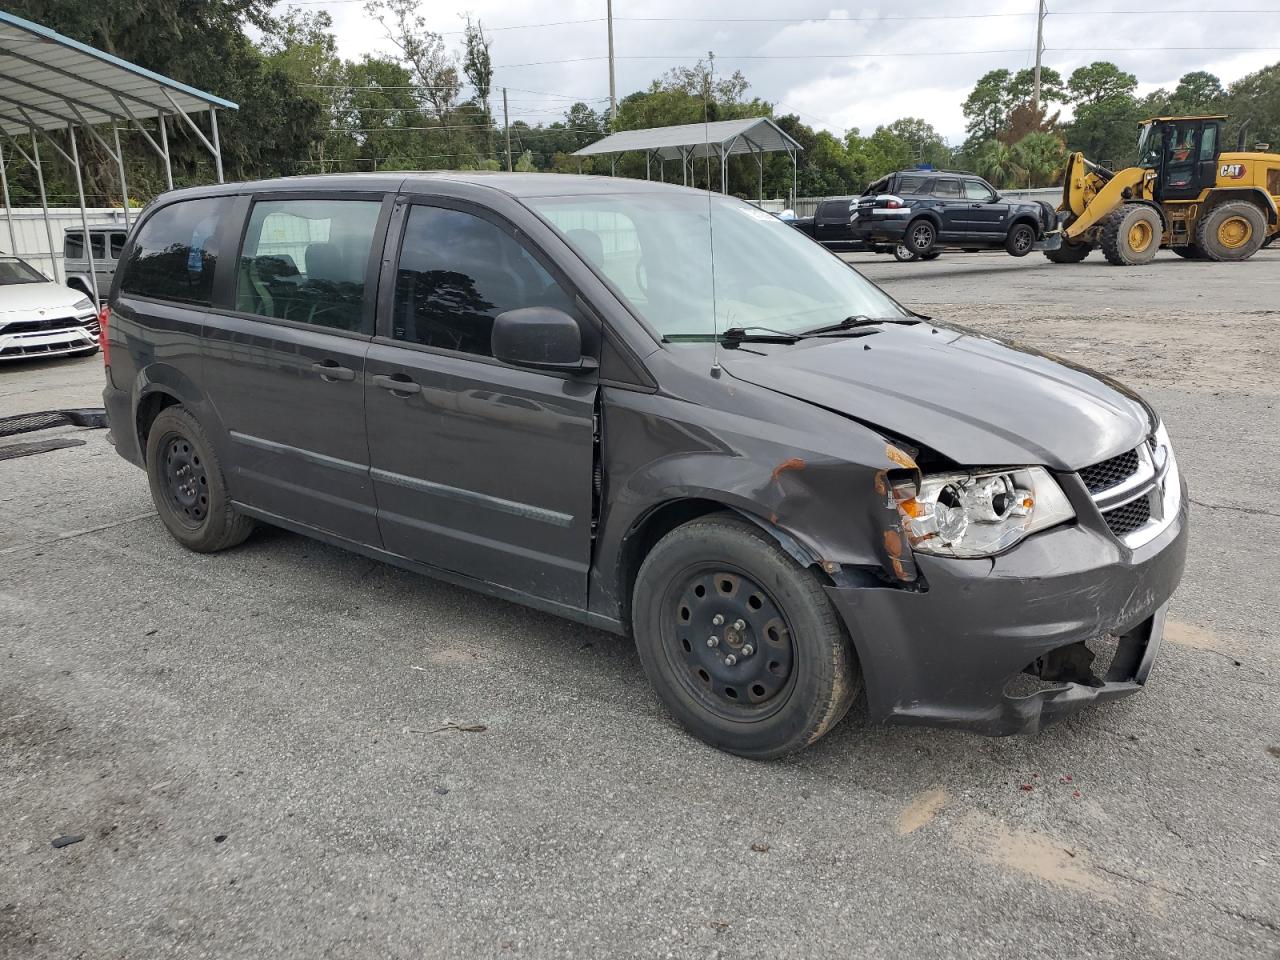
pixel 977 190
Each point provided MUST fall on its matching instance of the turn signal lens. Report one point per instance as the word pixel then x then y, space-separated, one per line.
pixel 103 316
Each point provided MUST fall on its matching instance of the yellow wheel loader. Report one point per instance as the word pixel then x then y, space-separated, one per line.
pixel 1184 194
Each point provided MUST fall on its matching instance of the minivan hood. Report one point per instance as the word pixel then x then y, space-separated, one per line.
pixel 977 400
pixel 26 297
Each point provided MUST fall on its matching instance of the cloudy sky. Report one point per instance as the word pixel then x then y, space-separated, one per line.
pixel 839 67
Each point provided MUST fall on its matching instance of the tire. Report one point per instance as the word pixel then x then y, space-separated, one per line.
pixel 931 256
pixel 1190 252
pixel 1069 252
pixel 1270 240
pixel 904 254
pixel 1131 235
pixel 757 703
pixel 920 236
pixel 1232 231
pixel 188 486
pixel 1020 239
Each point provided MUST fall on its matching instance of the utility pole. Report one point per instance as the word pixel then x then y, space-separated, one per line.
pixel 1043 9
pixel 613 89
pixel 506 122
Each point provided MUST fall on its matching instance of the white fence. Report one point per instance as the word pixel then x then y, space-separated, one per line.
pixel 30 239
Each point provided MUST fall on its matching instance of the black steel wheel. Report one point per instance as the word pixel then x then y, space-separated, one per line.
pixel 740 642
pixel 726 639
pixel 188 486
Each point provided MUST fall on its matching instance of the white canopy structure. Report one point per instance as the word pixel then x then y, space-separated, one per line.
pixel 50 82
pixel 694 141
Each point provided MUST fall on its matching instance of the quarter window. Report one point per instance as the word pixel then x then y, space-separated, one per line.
pixel 457 272
pixel 306 261
pixel 176 252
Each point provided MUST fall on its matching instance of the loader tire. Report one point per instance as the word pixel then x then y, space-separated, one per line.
pixel 1069 252
pixel 1131 235
pixel 1190 252
pixel 1234 230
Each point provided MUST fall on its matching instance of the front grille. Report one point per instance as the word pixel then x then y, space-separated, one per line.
pixel 1129 517
pixel 1110 473
pixel 39 326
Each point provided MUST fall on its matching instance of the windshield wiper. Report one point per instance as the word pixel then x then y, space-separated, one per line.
pixel 752 334
pixel 858 320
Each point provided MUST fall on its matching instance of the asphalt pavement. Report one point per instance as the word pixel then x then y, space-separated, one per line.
pixel 286 750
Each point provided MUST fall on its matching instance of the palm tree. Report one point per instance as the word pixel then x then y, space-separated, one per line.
pixel 1041 156
pixel 996 162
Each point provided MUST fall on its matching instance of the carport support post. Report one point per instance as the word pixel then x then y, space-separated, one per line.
pixel 217 144
pixel 84 214
pixel 44 206
pixel 124 184
pixel 164 146
pixel 8 211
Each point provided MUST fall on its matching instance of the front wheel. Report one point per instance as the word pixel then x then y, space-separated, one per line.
pixel 904 254
pixel 1020 240
pixel 188 486
pixel 1131 235
pixel 1069 252
pixel 739 641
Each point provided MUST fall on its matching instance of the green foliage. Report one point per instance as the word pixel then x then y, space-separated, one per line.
pixel 1098 82
pixel 991 105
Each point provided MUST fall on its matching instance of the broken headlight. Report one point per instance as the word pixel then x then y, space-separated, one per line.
pixel 978 514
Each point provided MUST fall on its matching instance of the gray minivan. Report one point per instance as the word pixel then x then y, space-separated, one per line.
pixel 660 412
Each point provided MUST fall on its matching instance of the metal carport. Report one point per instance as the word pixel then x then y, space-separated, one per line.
pixel 692 141
pixel 50 82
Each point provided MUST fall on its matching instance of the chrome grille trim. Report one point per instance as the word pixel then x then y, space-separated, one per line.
pixel 1156 479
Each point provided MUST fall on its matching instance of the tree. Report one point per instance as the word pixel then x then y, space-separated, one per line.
pixel 1255 97
pixel 423 50
pixel 477 65
pixel 1197 92
pixel 1099 81
pixel 997 163
pixel 999 93
pixel 1039 158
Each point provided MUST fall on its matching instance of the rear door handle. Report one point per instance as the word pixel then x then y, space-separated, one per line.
pixel 398 384
pixel 331 371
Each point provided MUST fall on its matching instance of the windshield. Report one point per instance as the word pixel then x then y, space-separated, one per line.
pixel 655 250
pixel 13 270
pixel 1149 146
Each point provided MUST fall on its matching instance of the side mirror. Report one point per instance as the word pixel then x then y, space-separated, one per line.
pixel 541 338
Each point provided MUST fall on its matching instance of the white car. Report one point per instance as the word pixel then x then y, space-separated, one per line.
pixel 40 318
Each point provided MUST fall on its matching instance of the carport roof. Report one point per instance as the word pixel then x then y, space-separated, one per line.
pixel 750 135
pixel 52 80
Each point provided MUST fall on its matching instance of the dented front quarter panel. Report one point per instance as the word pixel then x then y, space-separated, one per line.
pixel 812 477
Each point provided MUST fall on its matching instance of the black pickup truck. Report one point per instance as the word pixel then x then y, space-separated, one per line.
pixel 915 213
pixel 831 224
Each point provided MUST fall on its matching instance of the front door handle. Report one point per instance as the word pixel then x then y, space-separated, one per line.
pixel 331 371
pixel 398 384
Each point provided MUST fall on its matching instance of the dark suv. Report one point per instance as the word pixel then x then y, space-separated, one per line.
pixel 917 213
pixel 558 391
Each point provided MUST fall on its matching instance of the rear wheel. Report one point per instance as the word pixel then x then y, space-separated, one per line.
pixel 921 236
pixel 1189 252
pixel 188 487
pixel 1234 230
pixel 1069 252
pixel 931 256
pixel 1131 235
pixel 1021 238
pixel 739 641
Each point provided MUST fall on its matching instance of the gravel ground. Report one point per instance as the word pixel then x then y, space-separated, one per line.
pixel 246 741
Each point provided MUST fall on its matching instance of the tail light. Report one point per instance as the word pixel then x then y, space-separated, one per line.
pixel 893 203
pixel 103 317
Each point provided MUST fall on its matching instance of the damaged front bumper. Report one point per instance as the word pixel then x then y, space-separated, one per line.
pixel 962 651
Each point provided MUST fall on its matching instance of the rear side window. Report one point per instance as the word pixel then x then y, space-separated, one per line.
pixel 910 184
pixel 833 209
pixel 947 188
pixel 73 246
pixel 117 244
pixel 176 252
pixel 306 261
pixel 456 273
